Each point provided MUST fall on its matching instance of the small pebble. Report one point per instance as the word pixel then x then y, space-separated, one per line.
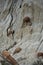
pixel 17 50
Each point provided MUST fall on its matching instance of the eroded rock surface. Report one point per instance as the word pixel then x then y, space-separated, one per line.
pixel 29 38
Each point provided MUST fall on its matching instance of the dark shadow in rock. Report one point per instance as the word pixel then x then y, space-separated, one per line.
pixel 20 6
pixel 38 62
pixel 5 63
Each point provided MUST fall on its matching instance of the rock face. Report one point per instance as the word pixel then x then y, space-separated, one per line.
pixel 29 37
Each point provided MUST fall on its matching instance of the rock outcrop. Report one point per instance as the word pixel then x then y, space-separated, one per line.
pixel 29 37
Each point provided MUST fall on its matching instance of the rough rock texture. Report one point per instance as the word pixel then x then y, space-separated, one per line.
pixel 29 38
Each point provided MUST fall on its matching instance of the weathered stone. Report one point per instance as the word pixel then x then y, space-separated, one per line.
pixel 29 38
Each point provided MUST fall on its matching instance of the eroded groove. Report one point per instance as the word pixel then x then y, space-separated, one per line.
pixel 39 45
pixel 11 46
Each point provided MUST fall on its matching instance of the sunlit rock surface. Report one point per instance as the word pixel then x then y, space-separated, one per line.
pixel 29 38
